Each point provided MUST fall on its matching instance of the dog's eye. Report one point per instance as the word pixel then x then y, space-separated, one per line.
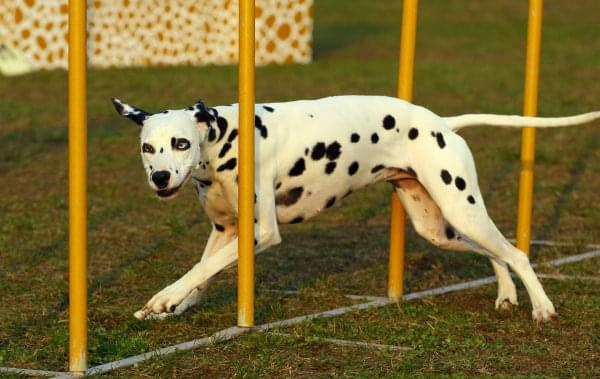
pixel 182 144
pixel 147 148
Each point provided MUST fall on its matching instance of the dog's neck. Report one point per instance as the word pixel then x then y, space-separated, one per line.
pixel 202 170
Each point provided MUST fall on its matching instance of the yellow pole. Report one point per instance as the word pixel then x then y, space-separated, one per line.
pixel 532 64
pixel 246 166
pixel 77 188
pixel 405 90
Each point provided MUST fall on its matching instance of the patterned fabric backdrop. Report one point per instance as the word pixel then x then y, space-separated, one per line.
pixel 157 32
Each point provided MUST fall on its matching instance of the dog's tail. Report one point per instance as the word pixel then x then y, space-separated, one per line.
pixel 468 120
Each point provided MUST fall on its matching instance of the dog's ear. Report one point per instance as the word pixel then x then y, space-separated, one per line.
pixel 203 114
pixel 131 112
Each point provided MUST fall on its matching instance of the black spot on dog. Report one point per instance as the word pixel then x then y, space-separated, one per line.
pixel 471 199
pixel 330 202
pixel 389 122
pixel 347 194
pixel 353 168
pixel 259 125
pixel 162 150
pixel 204 183
pixel 374 138
pixel 413 133
pixel 297 220
pixel 222 125
pixel 268 108
pixel 446 177
pixel 290 197
pixel 298 168
pixel 450 232
pixel 219 227
pixel 212 134
pixel 233 135
pixel 460 183
pixel 354 138
pixel 229 165
pixel 318 151
pixel 333 151
pixel 377 168
pixel 306 151
pixel 224 149
pixel 411 171
pixel 278 185
pixel 330 168
pixel 440 140
pixel 173 142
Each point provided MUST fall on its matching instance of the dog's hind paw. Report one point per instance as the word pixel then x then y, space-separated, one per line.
pixel 544 314
pixel 505 304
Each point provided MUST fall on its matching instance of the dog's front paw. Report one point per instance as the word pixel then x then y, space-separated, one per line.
pixel 163 303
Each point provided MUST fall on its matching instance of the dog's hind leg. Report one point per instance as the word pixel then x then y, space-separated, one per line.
pixel 430 224
pixel 451 181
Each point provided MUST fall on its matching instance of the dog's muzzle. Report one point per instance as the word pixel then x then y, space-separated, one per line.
pixel 166 193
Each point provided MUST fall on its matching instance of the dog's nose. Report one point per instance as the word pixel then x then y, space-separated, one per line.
pixel 161 178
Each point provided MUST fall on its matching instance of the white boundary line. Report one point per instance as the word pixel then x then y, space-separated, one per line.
pixel 569 277
pixel 232 332
pixel 30 372
pixel 336 341
pixel 558 243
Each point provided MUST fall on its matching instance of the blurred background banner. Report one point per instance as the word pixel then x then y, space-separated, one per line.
pixel 123 33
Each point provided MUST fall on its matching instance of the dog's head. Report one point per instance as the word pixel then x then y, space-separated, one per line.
pixel 169 143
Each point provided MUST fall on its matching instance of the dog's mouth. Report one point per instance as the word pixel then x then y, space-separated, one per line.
pixel 170 193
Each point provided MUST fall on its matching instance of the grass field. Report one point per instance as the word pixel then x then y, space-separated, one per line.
pixel 470 57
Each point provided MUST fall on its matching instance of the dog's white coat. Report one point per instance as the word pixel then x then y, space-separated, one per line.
pixel 432 170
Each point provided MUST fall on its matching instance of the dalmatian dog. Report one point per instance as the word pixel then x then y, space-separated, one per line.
pixel 309 155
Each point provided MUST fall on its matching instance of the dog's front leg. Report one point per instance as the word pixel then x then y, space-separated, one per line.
pixel 168 300
pixel 217 240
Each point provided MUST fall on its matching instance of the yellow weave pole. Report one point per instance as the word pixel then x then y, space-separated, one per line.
pixel 246 166
pixel 532 74
pixel 77 188
pixel 405 90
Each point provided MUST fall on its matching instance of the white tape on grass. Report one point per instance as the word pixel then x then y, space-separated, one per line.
pixel 29 372
pixel 232 332
pixel 335 341
pixel 569 277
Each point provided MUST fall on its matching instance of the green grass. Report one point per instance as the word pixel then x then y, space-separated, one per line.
pixel 469 59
